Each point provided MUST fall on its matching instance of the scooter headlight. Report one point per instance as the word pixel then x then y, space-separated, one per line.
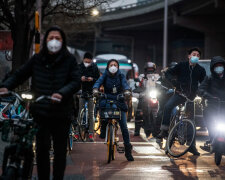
pixel 153 94
pixel 220 127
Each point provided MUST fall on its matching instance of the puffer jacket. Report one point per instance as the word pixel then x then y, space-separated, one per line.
pixel 109 82
pixel 49 74
pixel 213 86
pixel 91 71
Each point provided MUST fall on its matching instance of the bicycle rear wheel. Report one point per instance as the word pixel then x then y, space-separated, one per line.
pixel 180 138
pixel 110 143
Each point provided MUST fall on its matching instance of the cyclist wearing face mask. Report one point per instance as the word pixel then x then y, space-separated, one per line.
pixel 89 74
pixel 54 72
pixel 212 89
pixel 189 74
pixel 115 83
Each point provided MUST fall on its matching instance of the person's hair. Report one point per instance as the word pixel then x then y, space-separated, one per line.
pixel 111 60
pixel 88 55
pixel 44 49
pixel 194 49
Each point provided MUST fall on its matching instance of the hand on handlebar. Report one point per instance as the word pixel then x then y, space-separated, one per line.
pixel 127 94
pixel 4 91
pixel 95 92
pixel 56 98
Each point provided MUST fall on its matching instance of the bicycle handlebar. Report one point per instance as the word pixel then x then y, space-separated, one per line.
pixel 178 92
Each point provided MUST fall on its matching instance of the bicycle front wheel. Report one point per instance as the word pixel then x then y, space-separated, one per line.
pixel 82 128
pixel 70 138
pixel 110 149
pixel 180 138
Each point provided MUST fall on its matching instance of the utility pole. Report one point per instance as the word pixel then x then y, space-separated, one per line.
pixel 165 34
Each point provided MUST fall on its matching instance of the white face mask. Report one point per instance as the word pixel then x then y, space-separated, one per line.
pixel 113 69
pixel 219 69
pixel 87 64
pixel 54 45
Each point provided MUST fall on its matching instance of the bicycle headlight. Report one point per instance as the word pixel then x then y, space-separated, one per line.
pixel 220 127
pixel 153 94
pixel 27 96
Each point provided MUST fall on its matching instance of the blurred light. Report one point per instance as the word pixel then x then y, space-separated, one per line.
pixel 129 61
pixel 94 12
pixel 134 99
pixel 27 96
pixel 94 60
pixel 153 94
pixel 220 127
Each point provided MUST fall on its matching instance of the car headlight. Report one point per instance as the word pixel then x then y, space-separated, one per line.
pixel 27 96
pixel 134 99
pixel 153 94
pixel 220 127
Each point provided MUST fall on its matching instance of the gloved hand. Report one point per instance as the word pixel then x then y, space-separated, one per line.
pixel 95 92
pixel 127 94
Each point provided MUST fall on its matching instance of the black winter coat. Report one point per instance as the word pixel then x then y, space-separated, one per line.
pixel 188 78
pixel 91 71
pixel 49 74
pixel 213 86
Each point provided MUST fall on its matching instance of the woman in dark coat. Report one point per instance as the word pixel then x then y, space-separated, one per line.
pixel 54 72
pixel 114 83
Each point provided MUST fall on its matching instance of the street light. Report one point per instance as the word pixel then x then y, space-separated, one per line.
pixel 94 12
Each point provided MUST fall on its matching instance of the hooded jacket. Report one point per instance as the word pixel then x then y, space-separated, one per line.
pixel 188 77
pixel 213 86
pixel 91 71
pixel 109 82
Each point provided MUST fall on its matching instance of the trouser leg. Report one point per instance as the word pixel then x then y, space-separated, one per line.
pixel 60 140
pixel 43 147
pixel 172 102
pixel 124 128
pixel 91 115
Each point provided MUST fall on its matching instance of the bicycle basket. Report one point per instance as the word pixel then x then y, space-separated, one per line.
pixel 110 113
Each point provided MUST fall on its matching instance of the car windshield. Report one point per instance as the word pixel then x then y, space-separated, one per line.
pixel 206 66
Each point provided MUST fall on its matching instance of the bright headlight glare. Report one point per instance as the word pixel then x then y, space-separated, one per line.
pixel 153 94
pixel 134 99
pixel 27 96
pixel 220 127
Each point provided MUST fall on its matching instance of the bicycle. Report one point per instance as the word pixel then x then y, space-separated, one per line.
pixel 83 124
pixel 20 131
pixel 112 115
pixel 182 130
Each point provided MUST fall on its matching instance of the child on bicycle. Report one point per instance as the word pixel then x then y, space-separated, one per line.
pixel 115 83
pixel 213 89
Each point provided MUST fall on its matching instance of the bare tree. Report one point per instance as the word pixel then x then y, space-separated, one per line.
pixel 18 16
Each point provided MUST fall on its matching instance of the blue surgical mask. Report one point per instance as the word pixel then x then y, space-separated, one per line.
pixel 219 69
pixel 194 59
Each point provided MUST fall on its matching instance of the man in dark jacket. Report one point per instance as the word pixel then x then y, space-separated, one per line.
pixel 189 74
pixel 89 75
pixel 213 89
pixel 54 72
